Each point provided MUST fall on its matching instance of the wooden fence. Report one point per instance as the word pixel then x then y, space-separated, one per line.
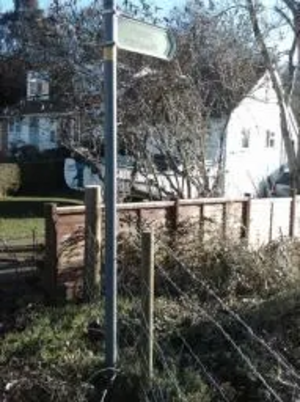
pixel 19 259
pixel 257 221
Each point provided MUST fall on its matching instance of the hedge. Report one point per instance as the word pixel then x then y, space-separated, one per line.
pixel 42 177
pixel 36 177
pixel 10 179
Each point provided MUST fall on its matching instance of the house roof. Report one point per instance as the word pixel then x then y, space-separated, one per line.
pixel 35 108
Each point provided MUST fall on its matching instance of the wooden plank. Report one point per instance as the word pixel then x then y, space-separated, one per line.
pixel 146 205
pixel 70 210
pixel 225 213
pixel 271 222
pixel 12 274
pixel 212 201
pixel 246 219
pixel 22 248
pixel 293 214
pixel 93 239
pixel 77 210
pixel 49 278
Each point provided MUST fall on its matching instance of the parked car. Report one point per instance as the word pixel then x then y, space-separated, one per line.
pixel 279 183
pixel 282 185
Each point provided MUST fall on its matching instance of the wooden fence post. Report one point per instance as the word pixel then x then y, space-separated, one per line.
pixel 92 252
pixel 246 219
pixel 201 224
pixel 293 216
pixel 271 221
pixel 147 291
pixel 49 274
pixel 176 214
pixel 172 217
pixel 225 213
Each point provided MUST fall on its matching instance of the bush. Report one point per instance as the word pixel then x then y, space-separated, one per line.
pixel 234 270
pixel 26 152
pixel 9 179
pixel 30 153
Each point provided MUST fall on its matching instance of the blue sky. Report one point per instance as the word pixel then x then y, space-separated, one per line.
pixel 283 42
pixel 167 4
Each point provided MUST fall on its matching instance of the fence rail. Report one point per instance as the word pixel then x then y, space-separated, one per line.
pixel 255 221
pixel 22 248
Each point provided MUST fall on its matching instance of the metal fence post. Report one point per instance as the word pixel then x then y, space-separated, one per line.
pixel 147 291
pixel 110 92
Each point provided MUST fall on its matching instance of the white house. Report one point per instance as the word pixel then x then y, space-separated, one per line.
pixel 30 123
pixel 37 130
pixel 37 120
pixel 250 142
pixel 253 144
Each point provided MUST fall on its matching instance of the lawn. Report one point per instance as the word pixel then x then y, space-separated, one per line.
pixel 22 229
pixel 23 217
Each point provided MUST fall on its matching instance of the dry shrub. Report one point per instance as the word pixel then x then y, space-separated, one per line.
pixel 38 386
pixel 237 271
pixel 129 262
pixel 233 269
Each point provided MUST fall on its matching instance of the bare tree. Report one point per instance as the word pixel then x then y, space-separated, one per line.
pixel 289 11
pixel 215 67
pixel 166 109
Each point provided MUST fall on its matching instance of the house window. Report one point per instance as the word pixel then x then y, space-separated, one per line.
pixel 270 139
pixel 245 138
pixel 37 86
pixel 52 136
pixel 17 130
pixel 34 131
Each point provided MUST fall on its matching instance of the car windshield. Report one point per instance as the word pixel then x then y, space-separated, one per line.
pixel 284 179
pixel 163 163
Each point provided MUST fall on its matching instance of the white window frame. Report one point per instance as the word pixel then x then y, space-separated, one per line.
pixel 37 86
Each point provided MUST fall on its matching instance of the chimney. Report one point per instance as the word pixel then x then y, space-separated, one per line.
pixel 26 5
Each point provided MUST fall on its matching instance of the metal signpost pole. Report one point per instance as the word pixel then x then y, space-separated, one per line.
pixel 132 36
pixel 110 84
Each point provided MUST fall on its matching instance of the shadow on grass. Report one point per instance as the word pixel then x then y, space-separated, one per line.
pixel 33 206
pixel 276 321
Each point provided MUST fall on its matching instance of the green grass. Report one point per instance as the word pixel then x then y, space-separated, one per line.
pixel 58 349
pixel 59 356
pixel 20 217
pixel 54 357
pixel 54 336
pixel 22 228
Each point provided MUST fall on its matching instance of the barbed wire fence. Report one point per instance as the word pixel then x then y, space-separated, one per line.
pixel 196 330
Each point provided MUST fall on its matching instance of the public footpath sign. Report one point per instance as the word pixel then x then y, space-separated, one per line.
pixel 120 32
pixel 140 37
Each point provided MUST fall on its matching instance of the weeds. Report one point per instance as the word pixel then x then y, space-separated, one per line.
pixel 54 353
